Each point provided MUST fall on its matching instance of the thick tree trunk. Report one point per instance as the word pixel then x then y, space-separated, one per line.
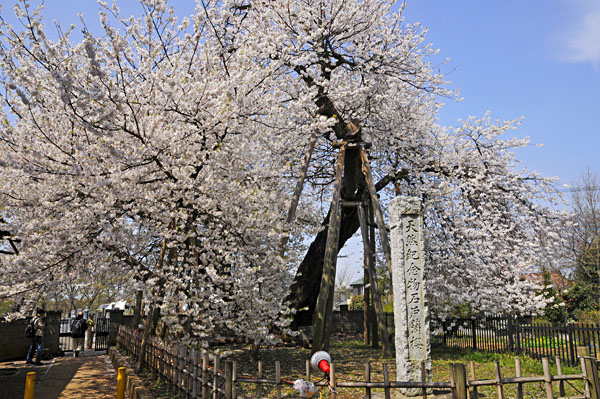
pixel 304 291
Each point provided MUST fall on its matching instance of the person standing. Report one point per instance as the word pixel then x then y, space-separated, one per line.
pixel 78 327
pixel 37 342
pixel 89 334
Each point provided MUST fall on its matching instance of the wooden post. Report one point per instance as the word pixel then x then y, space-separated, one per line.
pixel 332 382
pixel 307 370
pixel 547 378
pixel 460 380
pixel 424 379
pixel 452 380
pixel 585 377
pixel 385 242
pixel 196 360
pixel 583 351
pixel 234 381
pixel 204 375
pixel 145 339
pixel 278 379
pixel 259 387
pixel 381 326
pixel 368 378
pixel 321 338
pixel 474 394
pixel 386 380
pixel 591 372
pixel 228 379
pixel 518 374
pixel 499 390
pixel 215 390
pixel 561 384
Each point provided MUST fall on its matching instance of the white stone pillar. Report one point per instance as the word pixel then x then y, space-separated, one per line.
pixel 411 316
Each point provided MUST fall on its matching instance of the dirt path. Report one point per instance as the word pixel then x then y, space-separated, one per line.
pixel 87 376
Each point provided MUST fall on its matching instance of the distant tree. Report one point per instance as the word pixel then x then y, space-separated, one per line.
pixel 584 237
pixel 555 311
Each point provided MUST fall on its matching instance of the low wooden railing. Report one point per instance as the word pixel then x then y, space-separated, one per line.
pixel 194 373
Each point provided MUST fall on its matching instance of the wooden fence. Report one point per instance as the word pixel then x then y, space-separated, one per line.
pixel 198 374
pixel 506 334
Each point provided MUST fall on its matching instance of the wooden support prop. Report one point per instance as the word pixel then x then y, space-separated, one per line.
pixel 385 242
pixel 547 378
pixel 320 340
pixel 372 318
pixel 366 300
pixel 381 326
pixel 298 190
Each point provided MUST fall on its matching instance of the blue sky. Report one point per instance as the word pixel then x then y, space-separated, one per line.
pixel 539 59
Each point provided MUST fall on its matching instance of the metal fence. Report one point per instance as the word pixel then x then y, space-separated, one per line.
pixel 508 334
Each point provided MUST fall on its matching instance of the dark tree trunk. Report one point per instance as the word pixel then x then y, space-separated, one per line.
pixel 305 289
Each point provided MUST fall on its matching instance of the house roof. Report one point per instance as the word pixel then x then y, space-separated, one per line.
pixel 357 282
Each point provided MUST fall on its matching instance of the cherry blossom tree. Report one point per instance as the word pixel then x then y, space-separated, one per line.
pixel 170 148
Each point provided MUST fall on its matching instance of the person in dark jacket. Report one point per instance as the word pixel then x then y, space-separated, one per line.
pixel 37 342
pixel 78 327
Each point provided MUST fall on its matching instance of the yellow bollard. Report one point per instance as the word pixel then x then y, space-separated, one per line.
pixel 29 385
pixel 121 378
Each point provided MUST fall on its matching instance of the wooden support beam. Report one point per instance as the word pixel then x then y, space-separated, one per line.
pixel 298 189
pixel 322 310
pixel 381 326
pixel 385 241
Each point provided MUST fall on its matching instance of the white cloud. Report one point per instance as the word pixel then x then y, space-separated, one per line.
pixel 581 40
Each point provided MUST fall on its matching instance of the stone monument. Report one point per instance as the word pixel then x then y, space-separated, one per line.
pixel 411 317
